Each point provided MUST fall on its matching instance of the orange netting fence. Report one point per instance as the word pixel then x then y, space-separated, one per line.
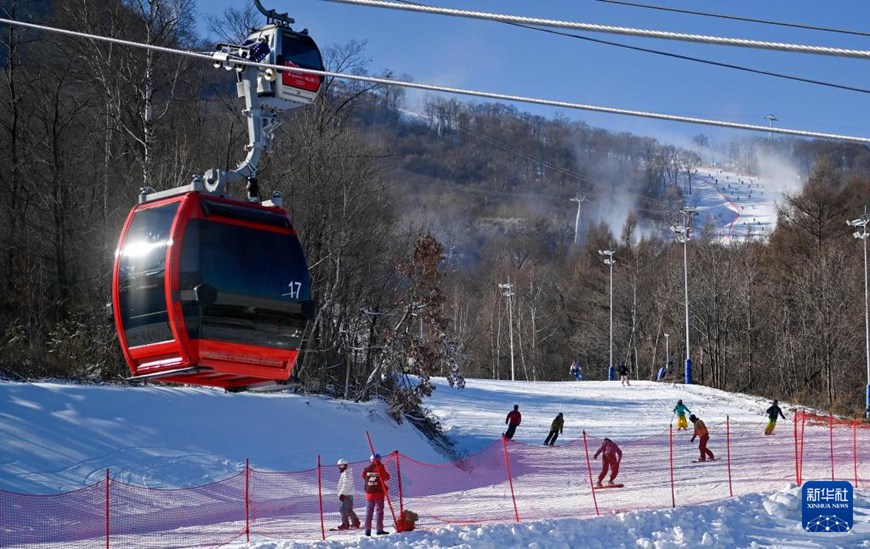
pixel 507 482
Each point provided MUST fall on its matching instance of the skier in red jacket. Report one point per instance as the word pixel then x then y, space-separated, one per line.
pixel 513 420
pixel 611 459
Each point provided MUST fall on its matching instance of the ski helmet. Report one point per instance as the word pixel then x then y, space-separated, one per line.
pixel 342 461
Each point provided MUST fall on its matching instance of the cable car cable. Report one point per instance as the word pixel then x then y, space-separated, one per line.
pixel 453 90
pixel 738 18
pixel 683 57
pixel 698 60
pixel 593 27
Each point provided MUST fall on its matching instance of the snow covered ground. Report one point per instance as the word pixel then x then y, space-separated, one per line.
pixel 61 437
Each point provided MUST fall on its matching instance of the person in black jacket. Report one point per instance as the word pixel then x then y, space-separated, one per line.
pixel 773 413
pixel 623 374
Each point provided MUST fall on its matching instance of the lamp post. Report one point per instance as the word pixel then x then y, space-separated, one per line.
pixel 507 291
pixel 681 233
pixel 770 120
pixel 580 199
pixel 608 260
pixel 862 235
pixel 667 350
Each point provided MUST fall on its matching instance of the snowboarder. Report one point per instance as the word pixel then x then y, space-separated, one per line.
pixel 576 371
pixel 703 436
pixel 623 374
pixel 513 420
pixel 610 460
pixel 375 477
pixel 680 409
pixel 345 496
pixel 555 429
pixel 773 413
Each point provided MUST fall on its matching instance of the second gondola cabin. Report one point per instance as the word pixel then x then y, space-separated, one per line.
pixel 288 48
pixel 210 291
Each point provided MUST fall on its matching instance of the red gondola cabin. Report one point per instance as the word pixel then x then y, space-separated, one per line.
pixel 210 291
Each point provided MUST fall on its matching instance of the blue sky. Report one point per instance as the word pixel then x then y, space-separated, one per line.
pixel 496 57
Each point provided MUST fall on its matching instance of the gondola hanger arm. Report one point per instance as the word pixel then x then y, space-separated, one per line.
pixel 272 15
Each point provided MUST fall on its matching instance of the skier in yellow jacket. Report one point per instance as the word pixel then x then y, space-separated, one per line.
pixel 555 430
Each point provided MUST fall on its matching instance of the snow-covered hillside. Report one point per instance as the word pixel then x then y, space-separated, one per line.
pixel 736 206
pixel 61 437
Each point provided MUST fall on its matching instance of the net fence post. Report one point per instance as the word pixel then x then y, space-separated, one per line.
pixel 320 497
pixel 855 448
pixel 671 464
pixel 507 462
pixel 589 469
pixel 794 418
pixel 803 433
pixel 248 500
pixel 399 482
pixel 728 448
pixel 107 508
pixel 831 431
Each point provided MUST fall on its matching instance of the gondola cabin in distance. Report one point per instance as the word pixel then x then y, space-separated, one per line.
pixel 210 291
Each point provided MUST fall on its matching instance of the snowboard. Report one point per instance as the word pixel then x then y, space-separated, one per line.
pixel 343 530
pixel 602 487
pixel 705 461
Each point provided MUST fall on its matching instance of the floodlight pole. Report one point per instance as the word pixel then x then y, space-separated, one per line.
pixel 682 235
pixel 608 260
pixel 667 350
pixel 507 291
pixel 862 235
pixel 770 120
pixel 580 199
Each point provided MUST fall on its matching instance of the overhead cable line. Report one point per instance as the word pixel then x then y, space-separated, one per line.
pixel 592 27
pixel 738 18
pixel 445 89
pixel 698 60
pixel 684 57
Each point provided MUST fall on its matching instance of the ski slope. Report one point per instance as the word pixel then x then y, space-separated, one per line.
pixel 739 207
pixel 61 437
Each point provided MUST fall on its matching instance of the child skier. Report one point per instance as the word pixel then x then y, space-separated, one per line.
pixel 702 433
pixel 349 519
pixel 773 413
pixel 680 409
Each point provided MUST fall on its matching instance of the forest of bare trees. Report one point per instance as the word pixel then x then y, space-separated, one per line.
pixel 410 223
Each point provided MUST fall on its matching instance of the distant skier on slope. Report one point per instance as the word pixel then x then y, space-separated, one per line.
pixel 703 435
pixel 680 409
pixel 612 456
pixel 623 374
pixel 513 420
pixel 576 371
pixel 555 429
pixel 773 413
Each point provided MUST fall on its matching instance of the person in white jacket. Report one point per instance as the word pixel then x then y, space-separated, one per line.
pixel 345 496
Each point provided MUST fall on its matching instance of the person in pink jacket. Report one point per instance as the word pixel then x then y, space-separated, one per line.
pixel 612 455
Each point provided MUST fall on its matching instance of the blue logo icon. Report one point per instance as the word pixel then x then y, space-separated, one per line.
pixel 827 506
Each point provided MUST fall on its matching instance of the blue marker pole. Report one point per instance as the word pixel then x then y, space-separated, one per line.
pixel 689 372
pixel 611 377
